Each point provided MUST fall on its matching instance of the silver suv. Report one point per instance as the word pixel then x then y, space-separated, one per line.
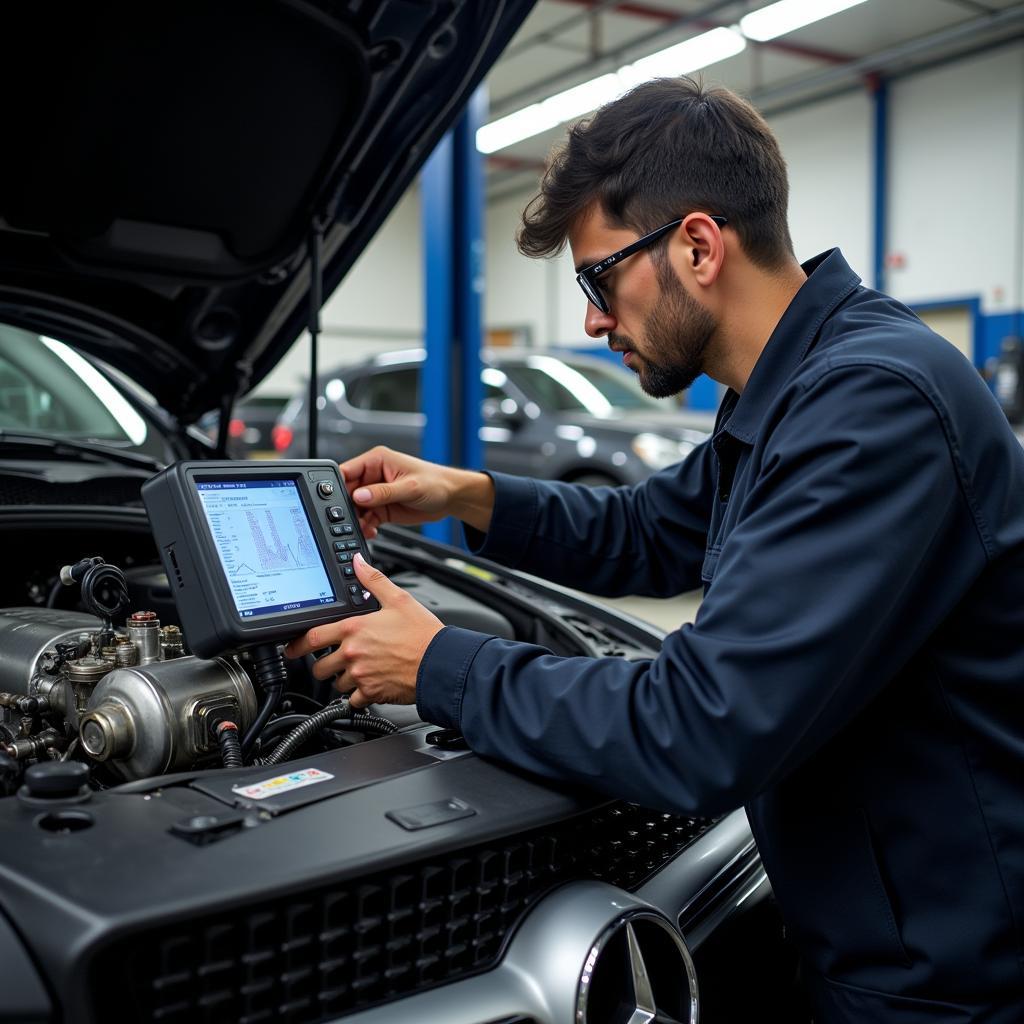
pixel 554 416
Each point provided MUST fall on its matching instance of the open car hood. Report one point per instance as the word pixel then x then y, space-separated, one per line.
pixel 164 164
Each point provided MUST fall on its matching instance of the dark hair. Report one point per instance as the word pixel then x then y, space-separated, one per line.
pixel 665 149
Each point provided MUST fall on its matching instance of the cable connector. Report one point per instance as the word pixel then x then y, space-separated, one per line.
pixel 229 743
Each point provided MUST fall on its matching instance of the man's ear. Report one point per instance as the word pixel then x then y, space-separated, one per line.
pixel 701 240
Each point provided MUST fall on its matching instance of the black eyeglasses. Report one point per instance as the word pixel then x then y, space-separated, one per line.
pixel 587 278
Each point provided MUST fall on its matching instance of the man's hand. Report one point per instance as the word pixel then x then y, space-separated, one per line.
pixel 379 654
pixel 390 487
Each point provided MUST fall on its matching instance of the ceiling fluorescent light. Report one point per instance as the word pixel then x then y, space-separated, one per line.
pixel 788 15
pixel 681 59
pixel 691 55
pixel 557 109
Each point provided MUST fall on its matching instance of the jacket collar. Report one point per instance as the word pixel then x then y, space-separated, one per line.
pixel 829 281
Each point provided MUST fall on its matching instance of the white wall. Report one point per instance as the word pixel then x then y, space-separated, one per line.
pixel 539 294
pixel 829 153
pixel 378 307
pixel 955 181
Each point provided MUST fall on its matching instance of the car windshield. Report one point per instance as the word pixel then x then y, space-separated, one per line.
pixel 47 388
pixel 580 386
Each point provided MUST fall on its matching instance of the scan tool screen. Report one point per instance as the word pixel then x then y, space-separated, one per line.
pixel 266 546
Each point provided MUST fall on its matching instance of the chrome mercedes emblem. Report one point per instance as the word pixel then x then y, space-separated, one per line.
pixel 638 972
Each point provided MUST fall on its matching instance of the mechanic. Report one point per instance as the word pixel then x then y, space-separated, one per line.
pixel 855 674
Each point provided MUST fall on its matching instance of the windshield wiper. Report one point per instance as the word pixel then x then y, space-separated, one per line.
pixel 81 450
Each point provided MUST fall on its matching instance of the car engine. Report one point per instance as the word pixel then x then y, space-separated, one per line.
pixel 131 703
pixel 132 700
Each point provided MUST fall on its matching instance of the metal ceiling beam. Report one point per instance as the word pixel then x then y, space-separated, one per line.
pixel 642 10
pixel 548 34
pixel 887 60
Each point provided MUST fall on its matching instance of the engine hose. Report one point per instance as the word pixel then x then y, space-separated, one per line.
pixel 100 577
pixel 271 675
pixel 230 745
pixel 281 725
pixel 374 723
pixel 335 710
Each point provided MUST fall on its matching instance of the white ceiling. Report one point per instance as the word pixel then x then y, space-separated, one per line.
pixel 565 42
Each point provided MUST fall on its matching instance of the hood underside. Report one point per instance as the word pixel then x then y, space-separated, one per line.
pixel 165 163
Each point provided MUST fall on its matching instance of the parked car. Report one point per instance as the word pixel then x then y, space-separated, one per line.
pixel 250 428
pixel 157 219
pixel 552 415
pixel 57 405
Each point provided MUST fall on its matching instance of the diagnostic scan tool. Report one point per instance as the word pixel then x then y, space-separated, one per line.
pixel 256 553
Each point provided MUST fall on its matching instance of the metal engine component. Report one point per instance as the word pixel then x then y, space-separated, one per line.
pixel 126 653
pixel 26 634
pixel 38 746
pixel 156 718
pixel 78 681
pixel 144 632
pixel 172 643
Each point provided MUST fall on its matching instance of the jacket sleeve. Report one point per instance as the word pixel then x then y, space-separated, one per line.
pixel 840 566
pixel 647 539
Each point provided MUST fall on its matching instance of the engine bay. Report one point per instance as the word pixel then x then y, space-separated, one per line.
pixel 131 702
pixel 127 699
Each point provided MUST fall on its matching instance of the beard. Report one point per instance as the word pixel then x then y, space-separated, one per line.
pixel 676 337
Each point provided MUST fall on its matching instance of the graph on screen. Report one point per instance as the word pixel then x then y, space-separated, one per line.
pixel 265 544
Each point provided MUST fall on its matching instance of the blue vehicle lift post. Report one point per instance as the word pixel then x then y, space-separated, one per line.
pixel 452 198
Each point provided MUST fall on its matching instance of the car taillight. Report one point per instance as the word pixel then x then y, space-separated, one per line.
pixel 236 428
pixel 282 437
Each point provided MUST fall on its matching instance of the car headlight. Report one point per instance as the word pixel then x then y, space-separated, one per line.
pixel 657 452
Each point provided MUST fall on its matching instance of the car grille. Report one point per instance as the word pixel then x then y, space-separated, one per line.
pixel 335 949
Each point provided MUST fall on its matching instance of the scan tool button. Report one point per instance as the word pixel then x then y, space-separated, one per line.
pixel 347 570
pixel 344 556
pixel 337 531
pixel 336 513
pixel 325 488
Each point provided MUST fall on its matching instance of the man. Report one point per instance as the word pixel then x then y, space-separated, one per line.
pixel 855 675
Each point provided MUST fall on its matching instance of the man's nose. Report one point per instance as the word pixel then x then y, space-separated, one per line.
pixel 596 323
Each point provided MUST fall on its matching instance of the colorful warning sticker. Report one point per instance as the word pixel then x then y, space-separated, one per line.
pixel 282 784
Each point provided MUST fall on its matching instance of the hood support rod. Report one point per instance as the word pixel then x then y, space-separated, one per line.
pixel 316 235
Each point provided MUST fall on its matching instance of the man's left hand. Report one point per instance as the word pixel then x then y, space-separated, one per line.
pixel 378 655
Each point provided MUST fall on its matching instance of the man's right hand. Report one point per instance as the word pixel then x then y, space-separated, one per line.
pixel 389 487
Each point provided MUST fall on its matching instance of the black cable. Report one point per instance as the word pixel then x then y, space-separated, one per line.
pixel 362 721
pixel 368 723
pixel 335 710
pixel 315 704
pixel 283 723
pixel 271 675
pixel 230 747
pixel 334 716
pixel 93 575
pixel 378 724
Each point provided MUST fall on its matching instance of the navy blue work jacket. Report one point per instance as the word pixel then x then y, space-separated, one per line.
pixel 854 676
